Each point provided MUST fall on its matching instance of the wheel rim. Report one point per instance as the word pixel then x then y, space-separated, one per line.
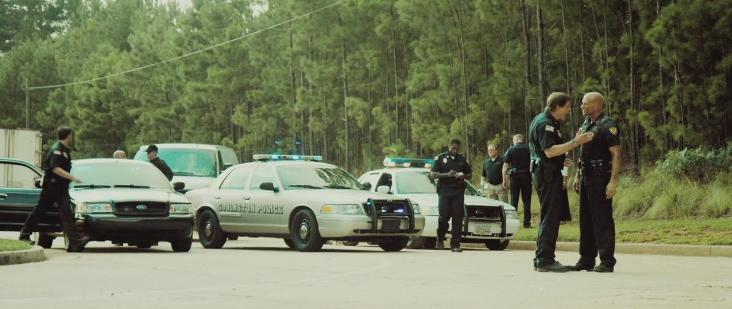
pixel 304 230
pixel 208 229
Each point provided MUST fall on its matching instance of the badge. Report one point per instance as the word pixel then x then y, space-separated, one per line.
pixel 66 155
pixel 444 160
pixel 614 130
pixel 559 133
pixel 549 128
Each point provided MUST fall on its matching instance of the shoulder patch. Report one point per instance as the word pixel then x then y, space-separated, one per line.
pixel 614 130
pixel 58 152
pixel 549 128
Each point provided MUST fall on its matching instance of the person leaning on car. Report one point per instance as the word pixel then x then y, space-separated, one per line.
pixel 152 156
pixel 55 189
pixel 450 170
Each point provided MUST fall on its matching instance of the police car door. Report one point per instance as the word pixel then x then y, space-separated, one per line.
pixel 267 211
pixel 232 199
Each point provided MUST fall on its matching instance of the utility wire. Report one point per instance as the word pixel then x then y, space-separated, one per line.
pixel 191 53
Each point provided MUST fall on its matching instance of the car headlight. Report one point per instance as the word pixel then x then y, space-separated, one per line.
pixel 511 214
pixel 341 209
pixel 416 208
pixel 94 208
pixel 180 208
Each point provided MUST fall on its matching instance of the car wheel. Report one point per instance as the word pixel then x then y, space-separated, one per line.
pixel 144 245
pixel 394 244
pixel 45 241
pixel 182 245
pixel 304 232
pixel 349 243
pixel 289 243
pixel 415 243
pixel 232 236
pixel 497 244
pixel 209 231
pixel 429 242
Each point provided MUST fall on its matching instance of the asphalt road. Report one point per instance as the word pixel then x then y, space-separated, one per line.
pixel 263 273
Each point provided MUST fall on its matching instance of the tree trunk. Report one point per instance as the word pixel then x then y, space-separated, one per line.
pixel 540 56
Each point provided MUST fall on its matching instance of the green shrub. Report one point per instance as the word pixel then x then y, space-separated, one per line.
pixel 699 164
pixel 717 201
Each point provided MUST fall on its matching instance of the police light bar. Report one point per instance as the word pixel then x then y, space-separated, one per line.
pixel 408 162
pixel 273 157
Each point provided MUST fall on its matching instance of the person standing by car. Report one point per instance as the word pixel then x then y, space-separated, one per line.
pixel 517 176
pixel 152 156
pixel 55 189
pixel 548 158
pixel 450 170
pixel 492 178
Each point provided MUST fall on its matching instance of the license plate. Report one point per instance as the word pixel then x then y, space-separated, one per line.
pixel 485 229
pixel 390 226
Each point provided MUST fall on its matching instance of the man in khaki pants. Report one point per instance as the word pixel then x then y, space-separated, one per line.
pixel 492 176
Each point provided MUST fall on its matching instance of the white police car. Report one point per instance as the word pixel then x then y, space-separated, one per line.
pixel 487 220
pixel 303 201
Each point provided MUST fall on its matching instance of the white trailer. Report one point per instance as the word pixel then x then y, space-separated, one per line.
pixel 19 144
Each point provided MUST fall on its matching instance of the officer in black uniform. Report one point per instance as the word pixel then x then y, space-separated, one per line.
pixel 517 175
pixel 548 157
pixel 451 169
pixel 152 156
pixel 596 182
pixel 55 189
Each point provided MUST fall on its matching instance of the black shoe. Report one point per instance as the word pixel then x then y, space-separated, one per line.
pixel 457 249
pixel 602 268
pixel 79 244
pixel 581 267
pixel 26 238
pixel 555 267
pixel 440 245
pixel 527 226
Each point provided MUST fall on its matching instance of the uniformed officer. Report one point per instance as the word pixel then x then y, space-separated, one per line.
pixel 548 158
pixel 596 181
pixel 55 189
pixel 451 169
pixel 152 156
pixel 517 176
pixel 492 178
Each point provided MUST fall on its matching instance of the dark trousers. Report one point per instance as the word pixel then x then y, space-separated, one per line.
pixel 549 186
pixel 50 195
pixel 521 185
pixel 597 228
pixel 451 205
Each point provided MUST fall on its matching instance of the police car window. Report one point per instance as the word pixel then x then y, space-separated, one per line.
pixel 316 177
pixel 414 183
pixel 237 179
pixel 17 176
pixel 370 178
pixel 119 174
pixel 228 156
pixel 187 162
pixel 470 190
pixel 262 174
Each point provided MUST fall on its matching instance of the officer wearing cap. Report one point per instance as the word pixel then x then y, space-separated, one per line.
pixel 517 176
pixel 596 181
pixel 450 170
pixel 55 189
pixel 152 156
pixel 548 158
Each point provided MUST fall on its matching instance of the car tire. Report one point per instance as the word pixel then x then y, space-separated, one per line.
pixel 349 243
pixel 232 237
pixel 415 243
pixel 394 244
pixel 304 232
pixel 429 242
pixel 209 231
pixel 289 243
pixel 497 244
pixel 45 241
pixel 144 245
pixel 182 245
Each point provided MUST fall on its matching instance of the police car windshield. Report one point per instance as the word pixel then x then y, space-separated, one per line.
pixel 415 183
pixel 118 174
pixel 186 162
pixel 312 177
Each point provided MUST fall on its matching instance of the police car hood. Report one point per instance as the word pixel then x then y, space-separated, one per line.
pixel 193 182
pixel 343 196
pixel 126 195
pixel 431 200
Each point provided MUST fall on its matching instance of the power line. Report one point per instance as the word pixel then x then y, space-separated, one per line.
pixel 191 53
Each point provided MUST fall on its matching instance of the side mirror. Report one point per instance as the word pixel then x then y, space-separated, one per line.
pixel 383 189
pixel 38 183
pixel 268 186
pixel 179 186
pixel 366 186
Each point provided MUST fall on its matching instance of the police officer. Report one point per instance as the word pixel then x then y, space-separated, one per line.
pixel 492 178
pixel 451 169
pixel 55 189
pixel 517 176
pixel 548 150
pixel 596 181
pixel 152 156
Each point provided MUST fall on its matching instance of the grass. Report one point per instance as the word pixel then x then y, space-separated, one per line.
pixel 692 231
pixel 13 245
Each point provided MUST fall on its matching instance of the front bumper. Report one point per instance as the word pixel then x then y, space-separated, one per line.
pixel 512 226
pixel 360 226
pixel 134 229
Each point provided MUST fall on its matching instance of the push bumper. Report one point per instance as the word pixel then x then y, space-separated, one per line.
pixel 132 229
pixel 352 226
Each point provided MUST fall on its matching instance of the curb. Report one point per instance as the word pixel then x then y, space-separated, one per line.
pixel 34 254
pixel 632 248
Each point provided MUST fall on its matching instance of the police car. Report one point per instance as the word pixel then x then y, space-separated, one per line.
pixel 487 220
pixel 303 201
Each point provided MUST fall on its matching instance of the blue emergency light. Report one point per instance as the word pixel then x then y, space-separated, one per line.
pixel 408 162
pixel 275 157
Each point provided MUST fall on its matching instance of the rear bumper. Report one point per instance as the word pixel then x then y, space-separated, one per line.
pixel 131 229
pixel 512 226
pixel 353 227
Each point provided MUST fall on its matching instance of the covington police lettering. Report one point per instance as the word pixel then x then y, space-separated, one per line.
pixel 265 209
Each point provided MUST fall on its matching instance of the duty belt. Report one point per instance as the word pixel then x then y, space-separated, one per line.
pixel 595 167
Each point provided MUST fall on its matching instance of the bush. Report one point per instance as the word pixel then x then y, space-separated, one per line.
pixel 699 164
